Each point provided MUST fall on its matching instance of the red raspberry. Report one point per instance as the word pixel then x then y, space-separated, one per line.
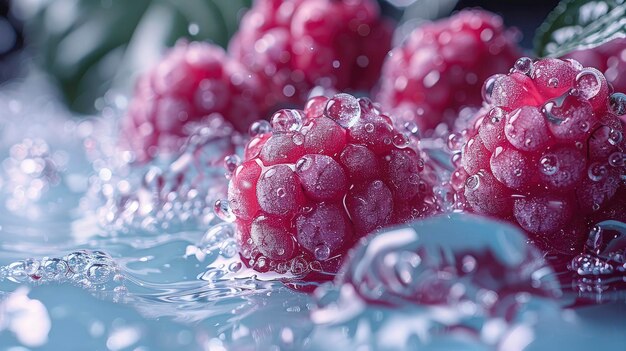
pixel 610 58
pixel 320 180
pixel 549 155
pixel 194 83
pixel 439 69
pixel 298 44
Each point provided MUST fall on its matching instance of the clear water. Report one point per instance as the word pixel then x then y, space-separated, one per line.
pixel 99 255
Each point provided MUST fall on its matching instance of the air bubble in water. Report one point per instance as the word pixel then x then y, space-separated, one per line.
pixel 344 109
pixel 99 273
pixel 54 268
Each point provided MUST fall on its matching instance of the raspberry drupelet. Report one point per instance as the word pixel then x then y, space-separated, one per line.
pixel 317 180
pixel 296 45
pixel 548 152
pixel 194 84
pixel 441 66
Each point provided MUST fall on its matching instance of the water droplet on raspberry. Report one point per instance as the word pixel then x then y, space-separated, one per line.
pixel 473 182
pixel 524 65
pixel 400 141
pixel 549 164
pixel 616 159
pixel 553 82
pixel 287 121
pixel 259 128
pixel 298 139
pixel 615 137
pixel 223 211
pixel 455 142
pixel 231 163
pixel 343 109
pixel 618 103
pixel 487 89
pixel 588 83
pixel 322 252
pixel 280 192
pixel 369 127
pixel 596 171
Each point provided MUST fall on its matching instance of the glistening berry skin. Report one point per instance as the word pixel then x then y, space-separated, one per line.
pixel 296 45
pixel 320 179
pixel 441 66
pixel 609 58
pixel 193 85
pixel 548 154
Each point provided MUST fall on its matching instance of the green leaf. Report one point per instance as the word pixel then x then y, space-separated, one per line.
pixel 88 46
pixel 580 24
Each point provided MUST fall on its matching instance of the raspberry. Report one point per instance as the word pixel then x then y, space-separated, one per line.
pixel 440 67
pixel 609 58
pixel 549 153
pixel 296 45
pixel 193 84
pixel 322 178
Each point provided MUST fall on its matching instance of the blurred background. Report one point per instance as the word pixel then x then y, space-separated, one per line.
pixel 87 47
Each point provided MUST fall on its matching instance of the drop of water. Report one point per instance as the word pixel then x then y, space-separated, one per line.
pixel 524 65
pixel 298 139
pixel 618 103
pixel 549 164
pixel 344 109
pixel 455 142
pixel 588 83
pixel 369 127
pixel 400 141
pixel 259 128
pixel 322 252
pixel 231 163
pixel 473 182
pixel 223 211
pixel 615 137
pixel 287 120
pixel 281 192
pixel 304 163
pixel 487 89
pixel 553 82
pixel 596 171
pixel 235 267
pixel 616 159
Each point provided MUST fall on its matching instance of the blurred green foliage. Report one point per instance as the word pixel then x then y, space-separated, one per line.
pixel 580 24
pixel 88 46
